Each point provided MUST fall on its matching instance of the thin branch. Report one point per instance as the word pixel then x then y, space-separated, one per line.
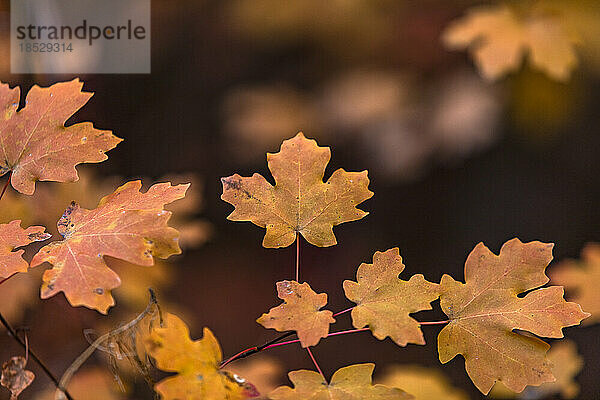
pixel 276 342
pixel 253 350
pixel 25 345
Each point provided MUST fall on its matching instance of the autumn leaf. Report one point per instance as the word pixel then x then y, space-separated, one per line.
pixel 581 280
pixel 300 312
pixel 35 143
pixel 500 36
pixel 384 301
pixel 485 311
pixel 348 383
pixel 423 383
pixel 566 364
pixel 15 377
pixel 300 202
pixel 13 236
pixel 127 224
pixel 196 364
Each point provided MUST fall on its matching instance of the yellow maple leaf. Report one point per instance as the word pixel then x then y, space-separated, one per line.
pixel 485 311
pixel 300 202
pixel 348 383
pixel 196 364
pixel 300 312
pixel 384 302
pixel 499 37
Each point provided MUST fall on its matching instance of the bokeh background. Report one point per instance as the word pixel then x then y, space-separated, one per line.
pixel 454 159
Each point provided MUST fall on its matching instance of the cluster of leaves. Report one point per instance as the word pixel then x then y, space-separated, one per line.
pixel 492 317
pixel 127 224
pixel 483 313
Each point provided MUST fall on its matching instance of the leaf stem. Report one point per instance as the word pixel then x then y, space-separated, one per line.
pixel 434 322
pixel 298 257
pixel 343 312
pixel 314 360
pixel 25 345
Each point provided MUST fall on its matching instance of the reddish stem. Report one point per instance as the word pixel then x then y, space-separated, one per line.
pixel 343 312
pixel 312 357
pixel 434 322
pixel 252 350
pixel 236 356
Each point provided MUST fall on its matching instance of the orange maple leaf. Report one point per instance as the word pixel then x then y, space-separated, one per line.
pixel 300 202
pixel 196 364
pixel 384 301
pixel 485 311
pixel 500 36
pixel 34 141
pixel 300 312
pixel 11 237
pixel 348 383
pixel 127 224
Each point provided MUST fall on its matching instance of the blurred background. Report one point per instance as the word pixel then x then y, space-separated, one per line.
pixel 456 155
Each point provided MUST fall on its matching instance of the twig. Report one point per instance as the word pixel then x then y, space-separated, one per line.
pixel 25 345
pixel 276 342
pixel 253 350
